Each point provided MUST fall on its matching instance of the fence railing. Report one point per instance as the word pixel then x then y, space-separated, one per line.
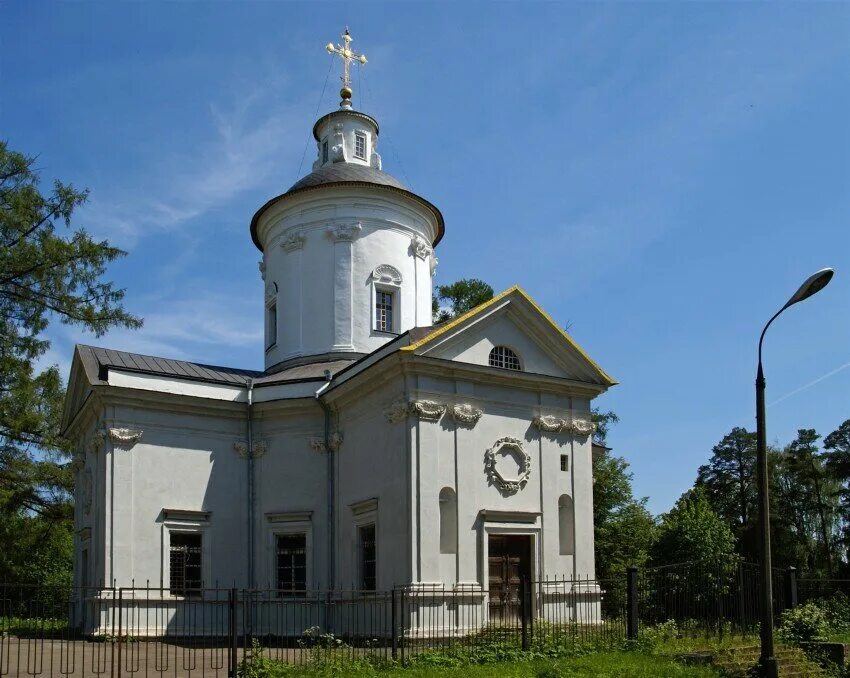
pixel 146 631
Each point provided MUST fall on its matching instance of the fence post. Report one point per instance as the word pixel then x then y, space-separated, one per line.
pixel 791 587
pixel 631 603
pixel 523 610
pixel 232 648
pixel 394 624
pixel 118 638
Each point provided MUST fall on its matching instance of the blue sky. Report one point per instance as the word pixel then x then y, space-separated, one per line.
pixel 659 176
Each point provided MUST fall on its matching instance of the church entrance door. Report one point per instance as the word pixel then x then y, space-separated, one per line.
pixel 509 561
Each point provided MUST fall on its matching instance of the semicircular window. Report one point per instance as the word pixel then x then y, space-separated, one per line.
pixel 505 358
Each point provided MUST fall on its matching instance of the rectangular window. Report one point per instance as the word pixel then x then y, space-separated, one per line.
pixel 565 462
pixel 366 546
pixel 185 564
pixel 360 146
pixel 292 564
pixel 383 311
pixel 324 151
pixel 272 338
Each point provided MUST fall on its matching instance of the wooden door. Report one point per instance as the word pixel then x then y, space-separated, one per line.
pixel 508 562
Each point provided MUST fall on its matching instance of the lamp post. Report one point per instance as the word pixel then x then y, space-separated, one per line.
pixel 812 285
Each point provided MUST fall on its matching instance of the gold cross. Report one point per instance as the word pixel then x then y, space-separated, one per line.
pixel 347 55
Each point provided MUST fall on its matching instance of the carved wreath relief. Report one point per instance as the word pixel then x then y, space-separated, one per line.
pixel 499 462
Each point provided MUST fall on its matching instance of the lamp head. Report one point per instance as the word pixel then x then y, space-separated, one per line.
pixel 812 285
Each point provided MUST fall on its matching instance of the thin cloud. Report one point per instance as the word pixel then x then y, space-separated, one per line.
pixel 810 384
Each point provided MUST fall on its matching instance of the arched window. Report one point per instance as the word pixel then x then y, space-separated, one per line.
pixel 566 526
pixel 502 356
pixel 448 520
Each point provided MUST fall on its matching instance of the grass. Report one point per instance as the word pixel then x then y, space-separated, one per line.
pixel 601 665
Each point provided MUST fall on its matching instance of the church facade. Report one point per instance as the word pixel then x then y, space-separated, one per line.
pixel 374 450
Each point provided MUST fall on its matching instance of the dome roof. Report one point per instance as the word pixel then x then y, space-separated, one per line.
pixel 345 173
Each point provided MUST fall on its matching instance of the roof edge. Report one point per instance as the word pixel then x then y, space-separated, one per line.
pixel 441 224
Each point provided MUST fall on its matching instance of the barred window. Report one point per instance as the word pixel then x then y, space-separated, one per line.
pixel 360 146
pixel 185 564
pixel 368 561
pixel 565 462
pixel 383 311
pixel 324 151
pixel 292 563
pixel 502 356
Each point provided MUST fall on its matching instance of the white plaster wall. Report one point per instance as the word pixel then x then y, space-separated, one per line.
pixel 183 461
pixel 324 278
pixel 373 462
pixel 347 126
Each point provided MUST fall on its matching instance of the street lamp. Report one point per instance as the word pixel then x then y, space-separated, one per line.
pixel 812 285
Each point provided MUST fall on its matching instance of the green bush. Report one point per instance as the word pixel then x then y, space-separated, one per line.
pixel 804 623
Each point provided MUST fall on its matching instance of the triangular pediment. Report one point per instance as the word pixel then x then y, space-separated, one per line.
pixel 512 319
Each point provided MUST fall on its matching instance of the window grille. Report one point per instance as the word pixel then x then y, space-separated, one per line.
pixel 383 311
pixel 185 564
pixel 324 151
pixel 360 146
pixel 292 564
pixel 368 560
pixel 565 462
pixel 502 356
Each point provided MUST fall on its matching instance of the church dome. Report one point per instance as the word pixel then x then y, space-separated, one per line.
pixel 347 174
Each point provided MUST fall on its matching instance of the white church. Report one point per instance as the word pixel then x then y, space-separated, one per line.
pixel 375 450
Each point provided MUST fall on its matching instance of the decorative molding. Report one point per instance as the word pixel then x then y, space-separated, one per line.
pixel 78 463
pixel 429 410
pixel 241 448
pixel 271 292
pixel 294 241
pixel 549 423
pixel 365 506
pixel 260 447
pixel 466 414
pixel 396 411
pixel 502 516
pixel 419 247
pixel 334 442
pixel 434 262
pixel 96 442
pixel 186 514
pixel 289 516
pixel 344 232
pixel 262 266
pixel 85 533
pixel 337 145
pixel 125 437
pixel 386 274
pixel 582 427
pixel 514 447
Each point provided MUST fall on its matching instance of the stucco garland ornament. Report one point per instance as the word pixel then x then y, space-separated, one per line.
pixel 419 247
pixel 334 442
pixel 293 241
pixel 396 411
pixel 429 410
pixel 125 437
pixel 466 414
pixel 344 232
pixel 97 441
pixel 582 427
pixel 549 423
pixel 262 266
pixel 512 447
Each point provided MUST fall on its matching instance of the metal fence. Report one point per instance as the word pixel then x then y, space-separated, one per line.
pixel 146 631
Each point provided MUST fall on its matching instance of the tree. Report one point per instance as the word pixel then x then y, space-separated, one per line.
pixel 460 296
pixel 729 483
pixel 623 526
pixel 808 472
pixel 837 451
pixel 692 531
pixel 43 277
